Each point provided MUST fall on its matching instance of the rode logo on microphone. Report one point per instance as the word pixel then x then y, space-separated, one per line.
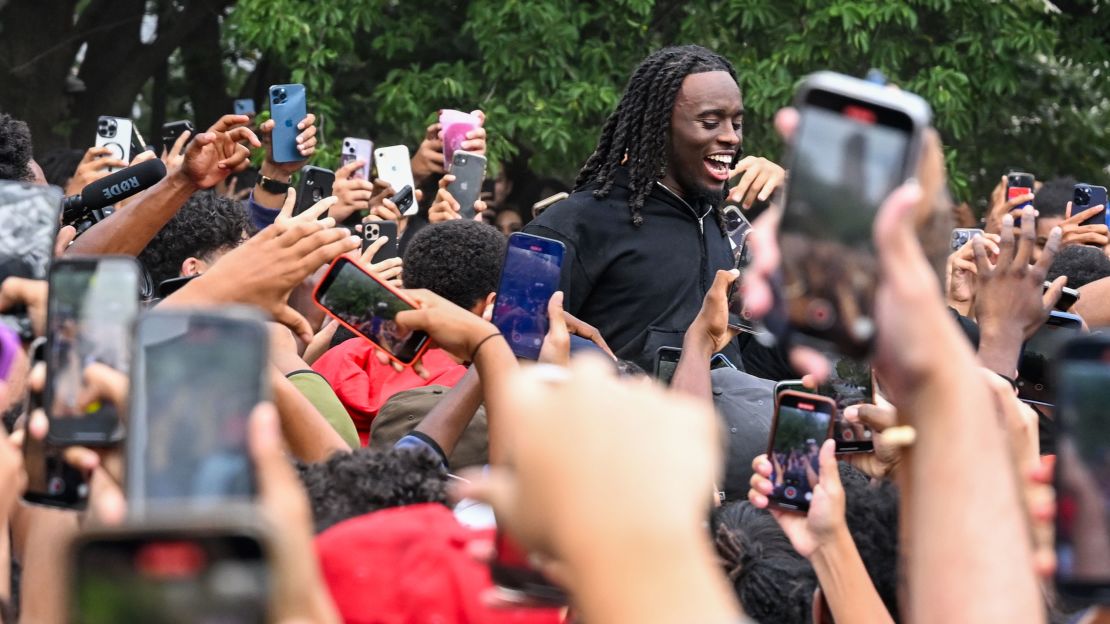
pixel 121 187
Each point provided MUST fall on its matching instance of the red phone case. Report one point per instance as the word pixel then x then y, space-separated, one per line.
pixel 401 296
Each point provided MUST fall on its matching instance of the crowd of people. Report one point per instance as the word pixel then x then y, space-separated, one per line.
pixel 383 492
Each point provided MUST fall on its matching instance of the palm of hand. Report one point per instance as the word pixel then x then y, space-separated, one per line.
pixel 201 162
pixel 808 531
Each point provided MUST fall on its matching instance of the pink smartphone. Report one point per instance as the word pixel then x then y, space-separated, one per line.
pixel 455 125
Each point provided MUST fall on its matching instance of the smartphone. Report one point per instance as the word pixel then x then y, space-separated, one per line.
pixel 529 276
pixel 357 149
pixel 469 171
pixel 801 424
pixel 961 236
pixel 1082 477
pixel 91 310
pixel 788 384
pixel 1068 297
pixel 314 185
pixel 720 360
pixel 1018 184
pixel 374 230
pixel 850 383
pixel 856 142
pixel 514 575
pixel 287 108
pixel 29 216
pixel 173 130
pixel 393 165
pixel 201 570
pixel 666 363
pixel 1036 367
pixel 405 201
pixel 51 482
pixel 1086 196
pixel 196 378
pixel 115 134
pixel 368 306
pixel 455 124
pixel 243 106
pixel 547 202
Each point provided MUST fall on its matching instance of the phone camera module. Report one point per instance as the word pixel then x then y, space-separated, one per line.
pixel 1082 196
pixel 373 230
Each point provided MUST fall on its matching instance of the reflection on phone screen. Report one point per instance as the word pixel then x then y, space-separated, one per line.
pixel 199 579
pixel 528 279
pixel 28 223
pixel 371 309
pixel 1083 475
pixel 800 430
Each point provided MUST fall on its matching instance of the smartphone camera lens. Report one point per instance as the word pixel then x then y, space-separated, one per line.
pixel 373 229
pixel 1082 196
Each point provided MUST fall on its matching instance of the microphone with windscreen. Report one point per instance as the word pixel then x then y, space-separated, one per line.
pixel 89 205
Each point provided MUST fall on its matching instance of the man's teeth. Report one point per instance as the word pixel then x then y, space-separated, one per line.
pixel 724 160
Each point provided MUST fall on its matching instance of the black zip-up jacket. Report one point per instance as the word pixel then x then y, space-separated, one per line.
pixel 640 287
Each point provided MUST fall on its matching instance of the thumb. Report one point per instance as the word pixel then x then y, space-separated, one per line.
pixel 66 235
pixel 348 169
pixel 205 138
pixel 266 449
pixel 830 470
pixel 293 320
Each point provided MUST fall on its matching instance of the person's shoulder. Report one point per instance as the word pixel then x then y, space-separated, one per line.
pixel 567 216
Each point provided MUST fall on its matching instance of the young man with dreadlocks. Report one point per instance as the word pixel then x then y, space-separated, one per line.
pixel 643 234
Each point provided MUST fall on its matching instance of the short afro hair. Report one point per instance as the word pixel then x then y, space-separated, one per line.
pixel 348 485
pixel 15 149
pixel 458 260
pixel 770 579
pixel 207 223
pixel 1052 200
pixel 1082 264
pixel 871 512
pixel 59 165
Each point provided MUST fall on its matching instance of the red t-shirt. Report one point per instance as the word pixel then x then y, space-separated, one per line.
pixel 363 384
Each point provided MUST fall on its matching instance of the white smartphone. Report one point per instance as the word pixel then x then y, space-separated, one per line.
pixel 357 149
pixel 115 134
pixel 394 167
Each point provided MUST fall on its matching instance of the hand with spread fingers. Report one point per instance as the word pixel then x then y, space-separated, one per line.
pixel 217 153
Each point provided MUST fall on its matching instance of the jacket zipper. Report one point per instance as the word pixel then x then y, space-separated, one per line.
pixel 701 234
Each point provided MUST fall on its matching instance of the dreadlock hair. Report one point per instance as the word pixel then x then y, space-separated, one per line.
pixel 641 124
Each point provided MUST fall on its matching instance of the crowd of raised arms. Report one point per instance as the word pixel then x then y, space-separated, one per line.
pixel 700 386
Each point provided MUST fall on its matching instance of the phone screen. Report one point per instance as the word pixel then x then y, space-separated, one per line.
pixel 666 363
pixel 50 480
pixel 1083 477
pixel 197 378
pixel 1036 374
pixel 847 158
pixel 212 578
pixel 92 306
pixel 801 426
pixel 849 383
pixel 368 308
pixel 529 277
pixel 28 224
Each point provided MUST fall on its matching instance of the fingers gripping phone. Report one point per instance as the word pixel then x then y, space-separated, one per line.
pixel 202 570
pixel 315 184
pixel 1086 196
pixel 173 130
pixel 372 231
pixel 368 307
pixel 469 171
pixel 357 149
pixel 850 383
pixel 51 481
pixel 1017 184
pixel 802 423
pixel 197 376
pixel 961 236
pixel 287 108
pixel 1082 479
pixel 856 142
pixel 394 166
pixel 529 276
pixel 92 306
pixel 29 216
pixel 115 134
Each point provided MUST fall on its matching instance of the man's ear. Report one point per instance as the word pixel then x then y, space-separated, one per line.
pixel 192 266
pixel 484 308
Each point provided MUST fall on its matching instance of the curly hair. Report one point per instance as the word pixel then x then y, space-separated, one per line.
pixel 1082 264
pixel 353 484
pixel 15 149
pixel 771 580
pixel 637 132
pixel 871 511
pixel 207 223
pixel 458 260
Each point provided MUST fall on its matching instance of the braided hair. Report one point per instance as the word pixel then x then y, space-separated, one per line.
pixel 641 123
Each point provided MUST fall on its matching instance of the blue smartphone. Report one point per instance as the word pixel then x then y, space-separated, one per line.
pixel 287 109
pixel 1086 196
pixel 243 106
pixel 529 277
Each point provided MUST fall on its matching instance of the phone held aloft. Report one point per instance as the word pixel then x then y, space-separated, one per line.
pixel 801 425
pixel 315 184
pixel 529 277
pixel 368 307
pixel 372 231
pixel 287 108
pixel 856 143
pixel 469 171
pixel 1082 479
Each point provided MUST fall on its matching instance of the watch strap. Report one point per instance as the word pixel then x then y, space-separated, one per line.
pixel 271 185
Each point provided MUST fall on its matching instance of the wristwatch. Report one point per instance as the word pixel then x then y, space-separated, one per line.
pixel 271 185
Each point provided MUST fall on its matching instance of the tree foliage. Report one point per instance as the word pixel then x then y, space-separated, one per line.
pixel 1013 83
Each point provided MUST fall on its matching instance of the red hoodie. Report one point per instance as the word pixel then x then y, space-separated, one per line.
pixel 363 384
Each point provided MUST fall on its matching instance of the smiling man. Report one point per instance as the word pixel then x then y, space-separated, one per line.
pixel 643 232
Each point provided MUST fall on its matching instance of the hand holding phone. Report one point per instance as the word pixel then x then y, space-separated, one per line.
pixel 394 166
pixel 1085 196
pixel 358 149
pixel 800 427
pixel 287 108
pixel 315 184
pixel 374 230
pixel 115 133
pixel 455 125
pixel 529 276
pixel 469 171
pixel 1018 184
